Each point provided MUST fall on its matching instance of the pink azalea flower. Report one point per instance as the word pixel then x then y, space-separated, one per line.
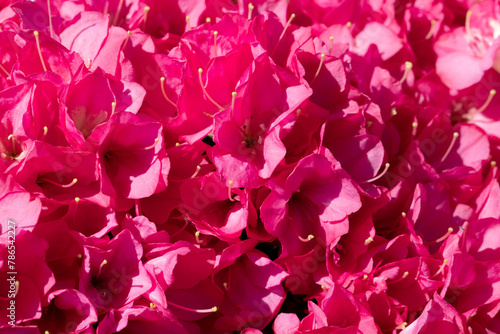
pixel 32 282
pixel 139 319
pixel 68 311
pixel 132 161
pixel 437 316
pixel 183 271
pixel 472 47
pixel 338 310
pixel 248 138
pixel 17 204
pixel 210 205
pixel 70 174
pixel 112 274
pixel 306 204
pixel 473 279
pixel 64 253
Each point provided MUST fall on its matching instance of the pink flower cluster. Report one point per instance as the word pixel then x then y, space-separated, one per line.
pixel 286 166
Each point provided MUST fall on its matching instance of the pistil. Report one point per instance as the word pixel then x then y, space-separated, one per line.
pixel 202 311
pixel 162 85
pixel 50 19
pixel 283 33
pixel 250 11
pixel 72 183
pixel 408 67
pixel 215 42
pixel 37 39
pixel 200 71
pixel 445 155
pixel 118 10
pixel 322 58
pixel 387 165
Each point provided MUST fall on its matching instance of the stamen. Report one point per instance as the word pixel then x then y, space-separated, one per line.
pixel 113 107
pixel 186 222
pixel 106 7
pixel 89 64
pixel 441 268
pixel 229 191
pixel 215 42
pixel 322 58
pixel 453 140
pixel 227 284
pixel 152 305
pixel 348 24
pixel 197 237
pixel 298 112
pixel 431 31
pixel 39 50
pixel 365 276
pixel 408 67
pixel 188 23
pixel 233 98
pixel 45 131
pixel 50 19
pixel 446 235
pixel 126 40
pixel 103 263
pixel 440 239
pixel 195 172
pixel 209 310
pixel 200 71
pixel 16 283
pixel 323 287
pixel 331 45
pixel 397 280
pixel 394 112
pixel 66 256
pixel 493 163
pixel 464 233
pixel 162 85
pixel 75 213
pixel 414 126
pixel 467 23
pixel 137 205
pixel 153 145
pixel 13 140
pixel 118 10
pixel 387 165
pixel 4 71
pixel 368 241
pixel 146 11
pixel 250 11
pixel 402 326
pixel 283 33
pixel 208 20
pixel 72 183
pixel 403 214
pixel 486 103
pixel 309 238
